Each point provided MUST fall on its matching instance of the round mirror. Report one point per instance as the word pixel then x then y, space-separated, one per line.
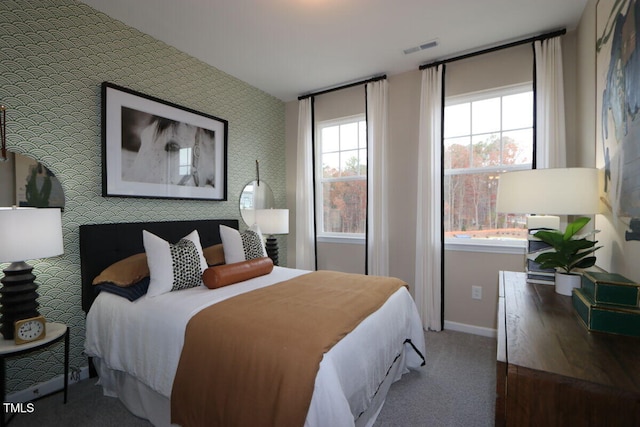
pixel 255 195
pixel 28 183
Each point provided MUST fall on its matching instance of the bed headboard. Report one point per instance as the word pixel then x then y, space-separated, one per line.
pixel 103 244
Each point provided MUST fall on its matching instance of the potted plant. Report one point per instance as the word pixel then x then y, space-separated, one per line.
pixel 570 252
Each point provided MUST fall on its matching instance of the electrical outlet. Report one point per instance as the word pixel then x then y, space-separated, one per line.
pixel 476 292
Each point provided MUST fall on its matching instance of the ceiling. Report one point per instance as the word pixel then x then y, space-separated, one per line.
pixel 289 48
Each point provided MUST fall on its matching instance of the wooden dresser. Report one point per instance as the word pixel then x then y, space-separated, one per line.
pixel 551 371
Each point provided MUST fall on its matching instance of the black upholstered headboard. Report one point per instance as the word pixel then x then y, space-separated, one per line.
pixel 103 244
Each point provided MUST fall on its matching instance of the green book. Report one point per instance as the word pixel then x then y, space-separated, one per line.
pixel 610 288
pixel 606 318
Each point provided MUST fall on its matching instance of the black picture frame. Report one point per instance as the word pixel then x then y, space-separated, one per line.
pixel 152 148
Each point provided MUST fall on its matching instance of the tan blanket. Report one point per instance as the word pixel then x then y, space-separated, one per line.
pixel 252 360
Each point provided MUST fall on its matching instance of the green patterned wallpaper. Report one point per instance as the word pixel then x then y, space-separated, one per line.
pixel 54 54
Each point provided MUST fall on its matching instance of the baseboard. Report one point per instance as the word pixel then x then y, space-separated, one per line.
pixel 470 329
pixel 47 387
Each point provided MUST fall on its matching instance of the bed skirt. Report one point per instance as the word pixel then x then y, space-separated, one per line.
pixel 144 402
pixel 137 397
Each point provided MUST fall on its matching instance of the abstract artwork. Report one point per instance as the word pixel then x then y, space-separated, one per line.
pixel 618 107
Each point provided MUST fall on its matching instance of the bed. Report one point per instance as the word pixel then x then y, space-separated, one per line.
pixel 136 347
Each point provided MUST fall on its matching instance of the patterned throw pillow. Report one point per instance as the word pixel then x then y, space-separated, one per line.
pixel 243 246
pixel 252 245
pixel 173 266
pixel 186 265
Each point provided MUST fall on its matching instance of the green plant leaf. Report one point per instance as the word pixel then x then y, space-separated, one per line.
pixel 584 263
pixel 577 245
pixel 553 238
pixel 568 252
pixel 546 257
pixel 575 226
pixel 551 260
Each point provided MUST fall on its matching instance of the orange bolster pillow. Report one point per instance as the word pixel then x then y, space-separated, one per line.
pixel 228 274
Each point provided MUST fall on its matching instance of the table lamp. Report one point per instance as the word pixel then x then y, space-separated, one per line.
pixel 26 234
pixel 273 221
pixel 562 191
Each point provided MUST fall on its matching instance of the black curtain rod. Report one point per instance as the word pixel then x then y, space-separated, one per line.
pixel 346 86
pixel 496 48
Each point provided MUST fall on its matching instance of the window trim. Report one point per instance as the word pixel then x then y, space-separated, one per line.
pixel 496 246
pixel 488 93
pixel 487 245
pixel 488 169
pixel 347 238
pixel 333 237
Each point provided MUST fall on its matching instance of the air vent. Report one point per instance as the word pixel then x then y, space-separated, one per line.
pixel 423 46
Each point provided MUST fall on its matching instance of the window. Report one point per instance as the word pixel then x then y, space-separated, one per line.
pixel 485 134
pixel 341 177
pixel 185 161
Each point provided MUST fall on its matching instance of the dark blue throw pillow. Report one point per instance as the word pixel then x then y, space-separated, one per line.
pixel 131 293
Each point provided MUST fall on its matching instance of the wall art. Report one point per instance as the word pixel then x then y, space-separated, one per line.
pixel 154 148
pixel 618 108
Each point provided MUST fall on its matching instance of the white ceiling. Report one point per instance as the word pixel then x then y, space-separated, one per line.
pixel 291 47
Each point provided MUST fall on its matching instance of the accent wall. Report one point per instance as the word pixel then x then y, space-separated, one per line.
pixel 53 57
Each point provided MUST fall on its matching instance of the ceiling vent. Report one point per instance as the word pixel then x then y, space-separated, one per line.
pixel 423 46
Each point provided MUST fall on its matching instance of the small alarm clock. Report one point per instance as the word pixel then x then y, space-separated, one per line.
pixel 31 329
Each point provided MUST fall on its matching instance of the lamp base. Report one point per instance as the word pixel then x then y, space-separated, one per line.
pixel 272 249
pixel 17 296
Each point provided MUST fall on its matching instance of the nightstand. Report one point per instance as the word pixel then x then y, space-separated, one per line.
pixel 55 333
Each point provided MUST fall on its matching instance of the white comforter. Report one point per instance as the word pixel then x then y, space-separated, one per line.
pixel 145 339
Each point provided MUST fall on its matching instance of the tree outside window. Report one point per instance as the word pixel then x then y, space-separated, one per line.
pixel 485 134
pixel 342 177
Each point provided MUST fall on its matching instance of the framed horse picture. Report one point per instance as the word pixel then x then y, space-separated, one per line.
pixel 154 148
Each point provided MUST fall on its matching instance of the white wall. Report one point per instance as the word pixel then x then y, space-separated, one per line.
pixel 404 106
pixel 501 68
pixel 462 269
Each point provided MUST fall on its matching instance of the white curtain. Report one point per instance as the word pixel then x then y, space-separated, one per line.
pixel 550 127
pixel 305 228
pixel 377 204
pixel 428 280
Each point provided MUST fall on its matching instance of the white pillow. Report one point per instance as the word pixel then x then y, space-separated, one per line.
pixel 244 246
pixel 231 244
pixel 173 266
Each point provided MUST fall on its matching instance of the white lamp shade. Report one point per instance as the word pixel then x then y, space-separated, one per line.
pixel 30 233
pixel 273 221
pixel 566 191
